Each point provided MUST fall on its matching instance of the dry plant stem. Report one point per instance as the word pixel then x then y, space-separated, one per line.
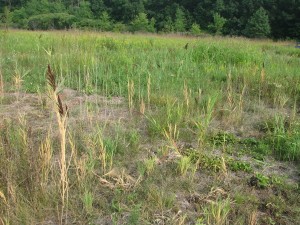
pixel 230 99
pixel 171 135
pixel 241 104
pixel 241 100
pixel 102 154
pixel 263 74
pixel 45 153
pixel 186 94
pixel 2 196
pixel 223 167
pixel 253 218
pixel 130 94
pixel 61 116
pixel 142 107
pixel 294 111
pixel 149 89
pixel 262 82
pixel 1 83
pixel 74 154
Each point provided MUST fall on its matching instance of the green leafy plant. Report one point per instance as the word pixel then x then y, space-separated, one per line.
pixel 260 180
pixel 239 166
pixel 222 138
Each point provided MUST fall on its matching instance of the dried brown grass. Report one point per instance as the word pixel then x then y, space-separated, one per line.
pixel 61 116
pixel 1 83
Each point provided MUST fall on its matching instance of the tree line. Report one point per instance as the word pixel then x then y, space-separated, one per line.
pixel 278 19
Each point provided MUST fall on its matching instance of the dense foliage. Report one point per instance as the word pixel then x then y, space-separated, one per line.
pixel 252 18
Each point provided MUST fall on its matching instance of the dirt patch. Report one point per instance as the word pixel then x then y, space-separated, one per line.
pixel 37 109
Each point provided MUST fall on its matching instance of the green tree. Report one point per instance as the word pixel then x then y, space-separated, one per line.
pixel 195 29
pixel 105 23
pixel 180 20
pixel 140 23
pixel 168 25
pixel 36 7
pixel 83 11
pixel 217 26
pixel 98 7
pixel 6 18
pixel 202 12
pixel 20 18
pixel 126 10
pixel 258 25
pixel 151 27
pixel 219 6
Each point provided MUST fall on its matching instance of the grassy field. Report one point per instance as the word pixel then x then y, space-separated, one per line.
pixel 141 129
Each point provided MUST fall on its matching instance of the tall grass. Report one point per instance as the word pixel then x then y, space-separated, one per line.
pixel 143 158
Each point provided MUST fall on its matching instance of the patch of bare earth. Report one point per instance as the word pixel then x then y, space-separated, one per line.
pixel 37 110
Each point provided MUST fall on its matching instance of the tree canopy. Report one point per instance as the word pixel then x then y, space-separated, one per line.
pixel 253 18
pixel 258 25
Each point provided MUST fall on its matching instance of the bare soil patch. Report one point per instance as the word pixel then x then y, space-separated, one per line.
pixel 37 109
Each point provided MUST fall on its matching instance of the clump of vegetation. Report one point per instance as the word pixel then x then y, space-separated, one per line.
pixel 284 139
pixel 223 139
pixel 239 166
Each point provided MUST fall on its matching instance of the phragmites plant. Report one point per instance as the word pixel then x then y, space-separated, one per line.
pixel 61 116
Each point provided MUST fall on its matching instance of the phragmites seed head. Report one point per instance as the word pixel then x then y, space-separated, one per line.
pixel 52 83
pixel 51 78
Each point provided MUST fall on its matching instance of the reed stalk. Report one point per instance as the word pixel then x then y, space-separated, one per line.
pixel 61 116
pixel 130 94
pixel 149 89
pixel 1 83
pixel 186 94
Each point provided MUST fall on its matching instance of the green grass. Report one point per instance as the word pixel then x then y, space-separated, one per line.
pixel 156 133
